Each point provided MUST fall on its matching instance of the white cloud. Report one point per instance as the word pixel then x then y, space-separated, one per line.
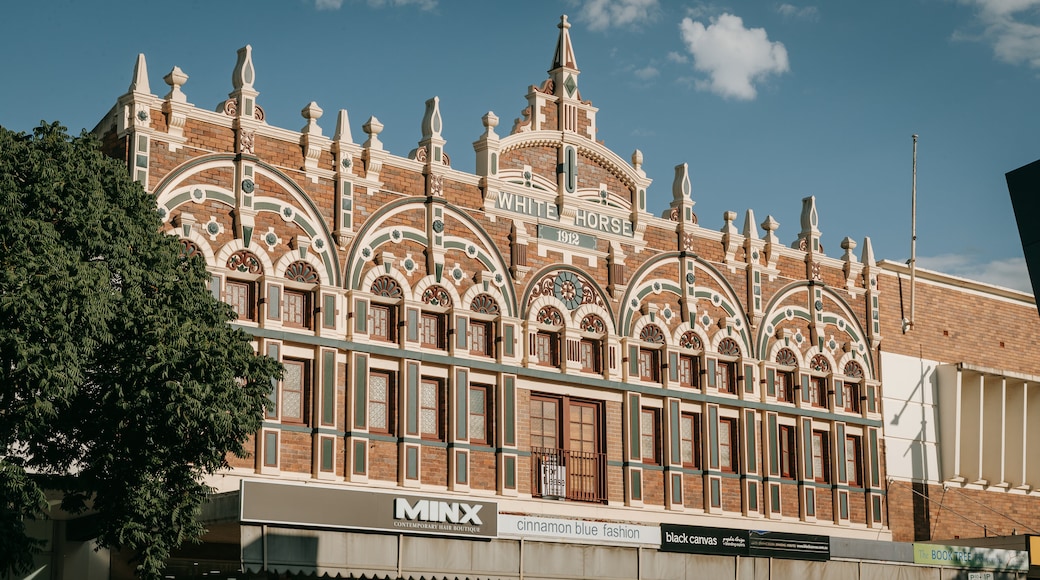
pixel 646 73
pixel 676 57
pixel 328 4
pixel 1008 273
pixel 337 4
pixel 798 12
pixel 733 56
pixel 604 14
pixel 1004 22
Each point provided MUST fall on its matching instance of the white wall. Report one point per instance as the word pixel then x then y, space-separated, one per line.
pixel 909 399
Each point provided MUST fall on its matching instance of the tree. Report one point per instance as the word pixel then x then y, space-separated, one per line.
pixel 121 382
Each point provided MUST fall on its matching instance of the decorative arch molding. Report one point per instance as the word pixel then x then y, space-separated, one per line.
pixel 199 240
pixel 585 309
pixel 606 158
pixel 292 257
pixel 643 283
pixel 542 301
pixel 374 233
pixel 431 281
pixel 778 310
pixel 385 270
pixel 176 190
pixel 682 329
pixel 477 289
pixel 645 321
pixel 721 336
pixel 777 346
pixel 814 352
pixel 236 245
pixel 560 274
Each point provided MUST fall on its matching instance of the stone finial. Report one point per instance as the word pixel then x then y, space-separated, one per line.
pixel 729 235
pixel 809 237
pixel 490 121
pixel 848 244
pixel 242 77
pixel 373 128
pixel 772 251
pixel 343 127
pixel 681 188
pixel 431 123
pixel 176 79
pixel 139 84
pixel 637 162
pixel 312 112
pixel 750 230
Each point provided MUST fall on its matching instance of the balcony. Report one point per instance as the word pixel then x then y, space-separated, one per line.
pixel 570 475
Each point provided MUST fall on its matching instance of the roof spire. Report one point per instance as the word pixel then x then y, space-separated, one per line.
pixel 564 56
pixel 140 82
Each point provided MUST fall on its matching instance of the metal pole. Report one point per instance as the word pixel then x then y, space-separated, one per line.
pixel 909 324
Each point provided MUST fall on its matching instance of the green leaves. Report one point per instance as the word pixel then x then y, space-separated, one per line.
pixel 121 383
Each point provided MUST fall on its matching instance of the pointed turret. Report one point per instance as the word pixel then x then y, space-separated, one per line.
pixel 431 146
pixel 140 82
pixel 809 237
pixel 241 101
pixel 564 70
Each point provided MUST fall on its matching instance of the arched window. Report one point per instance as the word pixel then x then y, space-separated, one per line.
pixel 650 354
pixel 433 323
pixel 546 338
pixel 818 396
pixel 726 368
pixel 240 286
pixel 852 387
pixel 384 308
pixel 481 328
pixel 690 362
pixel 590 346
pixel 785 374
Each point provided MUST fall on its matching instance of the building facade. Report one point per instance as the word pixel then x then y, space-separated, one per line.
pixel 530 341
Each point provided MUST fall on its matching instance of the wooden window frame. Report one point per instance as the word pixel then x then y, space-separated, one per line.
pixel 733 444
pixel 785 383
pixel 788 456
pixel 821 456
pixel 249 304
pixel 650 364
pixel 306 307
pixel 390 311
pixel 850 396
pixel 689 371
pixel 818 392
pixel 388 404
pixel 426 383
pixel 433 325
pixel 726 376
pixel 590 350
pixel 854 460
pixel 487 413
pixel 304 391
pixel 481 346
pixel 650 443
pixel 550 338
pixel 694 440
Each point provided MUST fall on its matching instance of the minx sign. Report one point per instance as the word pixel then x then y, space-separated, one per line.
pixel 330 507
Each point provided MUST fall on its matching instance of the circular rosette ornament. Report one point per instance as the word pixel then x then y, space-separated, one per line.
pixel 568 289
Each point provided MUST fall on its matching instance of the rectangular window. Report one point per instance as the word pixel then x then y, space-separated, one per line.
pixel 785 386
pixel 788 452
pixel 726 374
pixel 546 348
pixel 690 439
pixel 818 391
pixel 480 414
pixel 240 295
pixel 820 457
pixel 295 391
pixel 589 353
pixel 480 338
pixel 850 397
pixel 380 401
pixel 430 409
pixel 853 463
pixel 649 425
pixel 689 371
pixel 383 322
pixel 649 365
pixel 296 308
pixel 431 330
pixel 728 451
pixel 545 425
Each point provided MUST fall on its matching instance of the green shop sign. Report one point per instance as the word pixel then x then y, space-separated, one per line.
pixel 973 558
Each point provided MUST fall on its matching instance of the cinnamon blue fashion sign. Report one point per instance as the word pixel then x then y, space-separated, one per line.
pixel 756 543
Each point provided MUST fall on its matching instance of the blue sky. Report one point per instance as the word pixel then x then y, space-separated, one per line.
pixel 767 102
